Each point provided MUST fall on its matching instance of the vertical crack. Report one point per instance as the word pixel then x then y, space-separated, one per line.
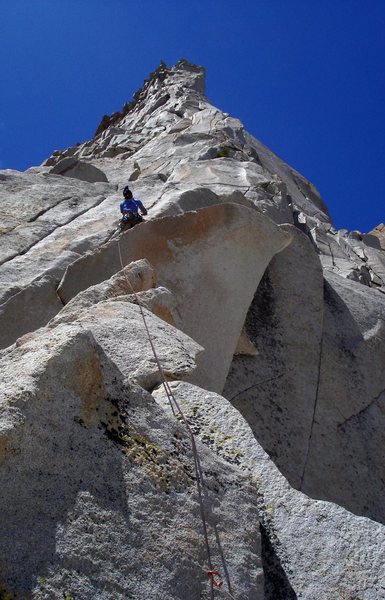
pixel 331 254
pixel 315 406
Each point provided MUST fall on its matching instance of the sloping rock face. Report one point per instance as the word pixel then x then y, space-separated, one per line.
pixel 346 445
pixel 32 206
pixel 318 549
pixel 241 285
pixel 379 232
pixel 275 389
pixel 136 277
pixel 118 327
pixel 103 501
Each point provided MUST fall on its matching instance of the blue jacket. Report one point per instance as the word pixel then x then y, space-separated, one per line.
pixel 133 206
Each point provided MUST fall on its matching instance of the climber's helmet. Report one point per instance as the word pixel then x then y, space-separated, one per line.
pixel 127 193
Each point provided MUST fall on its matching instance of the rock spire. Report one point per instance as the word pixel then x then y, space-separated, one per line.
pixel 268 325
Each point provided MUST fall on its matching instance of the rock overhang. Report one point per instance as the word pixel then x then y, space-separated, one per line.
pixel 211 260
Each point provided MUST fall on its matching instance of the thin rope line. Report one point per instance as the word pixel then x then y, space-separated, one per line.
pixel 172 399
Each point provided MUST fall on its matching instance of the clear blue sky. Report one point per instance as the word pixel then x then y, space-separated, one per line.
pixel 306 77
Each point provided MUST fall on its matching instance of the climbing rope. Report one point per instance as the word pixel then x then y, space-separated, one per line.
pixel 212 573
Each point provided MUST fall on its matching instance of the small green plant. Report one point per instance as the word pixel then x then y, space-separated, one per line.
pixel 223 152
pixel 236 453
pixel 5 594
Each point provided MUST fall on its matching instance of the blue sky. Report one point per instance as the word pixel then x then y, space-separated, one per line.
pixel 306 77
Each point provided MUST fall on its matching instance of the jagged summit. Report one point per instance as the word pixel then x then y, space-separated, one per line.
pixel 184 74
pixel 163 85
pixel 178 152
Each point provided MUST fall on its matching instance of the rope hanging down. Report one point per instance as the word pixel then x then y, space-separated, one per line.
pixel 176 409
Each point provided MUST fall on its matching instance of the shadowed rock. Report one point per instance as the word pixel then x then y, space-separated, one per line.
pixel 71 167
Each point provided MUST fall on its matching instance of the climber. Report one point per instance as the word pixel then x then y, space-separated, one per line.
pixel 129 208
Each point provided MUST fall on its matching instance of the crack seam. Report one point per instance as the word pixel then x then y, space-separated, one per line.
pixel 315 404
pixel 362 410
pixel 28 248
pixel 256 385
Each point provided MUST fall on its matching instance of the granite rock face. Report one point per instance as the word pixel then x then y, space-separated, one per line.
pixel 275 389
pixel 102 486
pixel 245 288
pixel 33 205
pixel 211 260
pixel 310 549
pixel 379 232
pixel 314 392
pixel 135 277
pixel 117 326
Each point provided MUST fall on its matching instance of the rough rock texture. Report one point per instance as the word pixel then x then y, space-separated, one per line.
pixel 310 549
pixel 159 301
pixel 117 326
pixel 103 501
pixel 275 389
pixel 33 205
pixel 29 309
pixel 379 232
pixel 83 514
pixel 345 461
pixel 60 221
pixel 314 393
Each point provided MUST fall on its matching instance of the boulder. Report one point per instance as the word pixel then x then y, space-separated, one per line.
pixel 135 277
pixel 98 497
pixel 117 325
pixel 379 233
pixel 160 301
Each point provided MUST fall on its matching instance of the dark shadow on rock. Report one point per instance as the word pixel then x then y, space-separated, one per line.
pixel 53 462
pixel 254 384
pixel 276 583
pixel 338 437
pixel 345 462
pixel 42 489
